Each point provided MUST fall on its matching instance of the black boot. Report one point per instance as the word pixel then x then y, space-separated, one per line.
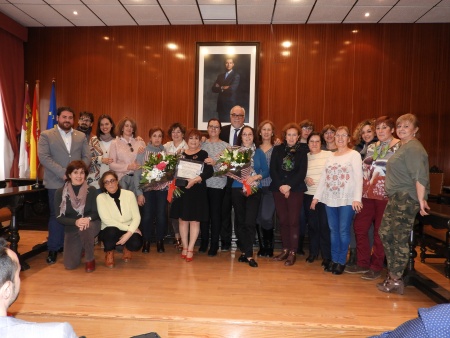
pixel 262 249
pixel 352 257
pixel 51 258
pixel 146 247
pixel 301 240
pixel 268 242
pixel 160 246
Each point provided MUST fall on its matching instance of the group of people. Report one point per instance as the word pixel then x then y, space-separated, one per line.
pixel 318 184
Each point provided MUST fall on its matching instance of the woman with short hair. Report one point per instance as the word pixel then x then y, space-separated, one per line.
pixel 119 212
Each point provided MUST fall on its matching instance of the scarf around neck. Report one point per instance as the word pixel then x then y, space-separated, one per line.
pixel 116 198
pixel 78 202
pixel 106 137
pixel 290 151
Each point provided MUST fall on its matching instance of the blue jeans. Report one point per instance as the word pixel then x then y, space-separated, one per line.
pixel 55 239
pixel 340 222
pixel 155 207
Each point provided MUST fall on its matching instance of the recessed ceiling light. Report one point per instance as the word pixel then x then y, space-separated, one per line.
pixel 75 13
pixel 367 14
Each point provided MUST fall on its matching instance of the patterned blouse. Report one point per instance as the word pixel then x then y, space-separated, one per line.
pixel 374 169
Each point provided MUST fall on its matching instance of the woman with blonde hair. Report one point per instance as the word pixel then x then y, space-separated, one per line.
pixel 407 185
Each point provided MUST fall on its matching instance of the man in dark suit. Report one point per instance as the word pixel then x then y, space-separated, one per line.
pixel 229 133
pixel 57 147
pixel 9 291
pixel 226 85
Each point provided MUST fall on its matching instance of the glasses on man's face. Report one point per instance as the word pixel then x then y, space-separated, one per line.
pixel 214 127
pixel 131 147
pixel 341 135
pixel 111 181
pixel 237 116
pixel 86 119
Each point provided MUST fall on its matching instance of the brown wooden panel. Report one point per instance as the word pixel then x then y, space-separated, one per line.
pixel 339 84
pixel 330 76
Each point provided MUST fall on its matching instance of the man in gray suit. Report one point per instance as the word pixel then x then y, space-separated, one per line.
pixel 11 327
pixel 57 147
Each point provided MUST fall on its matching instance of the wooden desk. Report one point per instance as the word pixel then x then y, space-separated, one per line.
pixel 439 217
pixel 14 198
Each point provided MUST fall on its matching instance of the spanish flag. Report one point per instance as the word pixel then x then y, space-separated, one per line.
pixel 35 133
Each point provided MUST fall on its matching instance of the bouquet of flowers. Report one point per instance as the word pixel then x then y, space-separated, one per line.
pixel 235 162
pixel 159 169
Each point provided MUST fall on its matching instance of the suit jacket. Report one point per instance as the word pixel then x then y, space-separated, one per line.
pixel 225 134
pixel 53 155
pixel 12 328
pixel 227 97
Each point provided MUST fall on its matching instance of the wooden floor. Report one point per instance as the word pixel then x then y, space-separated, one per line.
pixel 209 297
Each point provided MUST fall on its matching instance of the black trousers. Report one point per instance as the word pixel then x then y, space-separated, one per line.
pixel 215 197
pixel 246 210
pixel 318 229
pixel 111 235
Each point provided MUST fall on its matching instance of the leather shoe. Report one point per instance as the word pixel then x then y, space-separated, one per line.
pixel 160 246
pixel 51 258
pixel 252 263
pixel 325 262
pixel 311 258
pixel 146 247
pixel 330 267
pixel 90 266
pixel 212 252
pixel 225 247
pixel 242 259
pixel 291 259
pixel 338 269
pixel 281 256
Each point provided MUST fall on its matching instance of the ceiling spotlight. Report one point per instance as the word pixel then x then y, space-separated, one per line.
pixel 367 14
pixel 75 13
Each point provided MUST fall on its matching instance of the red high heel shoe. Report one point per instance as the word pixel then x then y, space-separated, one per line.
pixel 189 259
pixel 183 256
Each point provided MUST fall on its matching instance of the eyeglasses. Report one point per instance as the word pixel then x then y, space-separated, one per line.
pixel 307 128
pixel 111 181
pixel 341 136
pixel 214 127
pixel 329 133
pixel 237 116
pixel 247 135
pixel 85 119
pixel 131 147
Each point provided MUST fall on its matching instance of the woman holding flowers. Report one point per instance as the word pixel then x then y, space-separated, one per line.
pixel 176 146
pixel 152 197
pixel 288 167
pixel 192 206
pixel 246 193
pixel 215 188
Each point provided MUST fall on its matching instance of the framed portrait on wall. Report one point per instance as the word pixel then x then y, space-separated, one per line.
pixel 227 75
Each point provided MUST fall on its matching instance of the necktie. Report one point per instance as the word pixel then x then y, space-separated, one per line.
pixel 236 131
pixel 226 75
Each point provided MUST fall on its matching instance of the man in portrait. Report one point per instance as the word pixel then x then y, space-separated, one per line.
pixel 226 85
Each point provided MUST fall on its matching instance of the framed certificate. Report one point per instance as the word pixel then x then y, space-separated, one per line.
pixel 188 168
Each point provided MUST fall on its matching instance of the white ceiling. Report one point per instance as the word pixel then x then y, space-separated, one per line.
pixel 54 13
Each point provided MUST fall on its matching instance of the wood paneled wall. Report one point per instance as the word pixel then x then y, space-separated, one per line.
pixel 336 74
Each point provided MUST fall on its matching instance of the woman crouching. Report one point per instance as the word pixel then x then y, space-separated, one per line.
pixel 78 213
pixel 119 212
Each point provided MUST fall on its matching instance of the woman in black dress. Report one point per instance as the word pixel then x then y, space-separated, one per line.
pixel 192 206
